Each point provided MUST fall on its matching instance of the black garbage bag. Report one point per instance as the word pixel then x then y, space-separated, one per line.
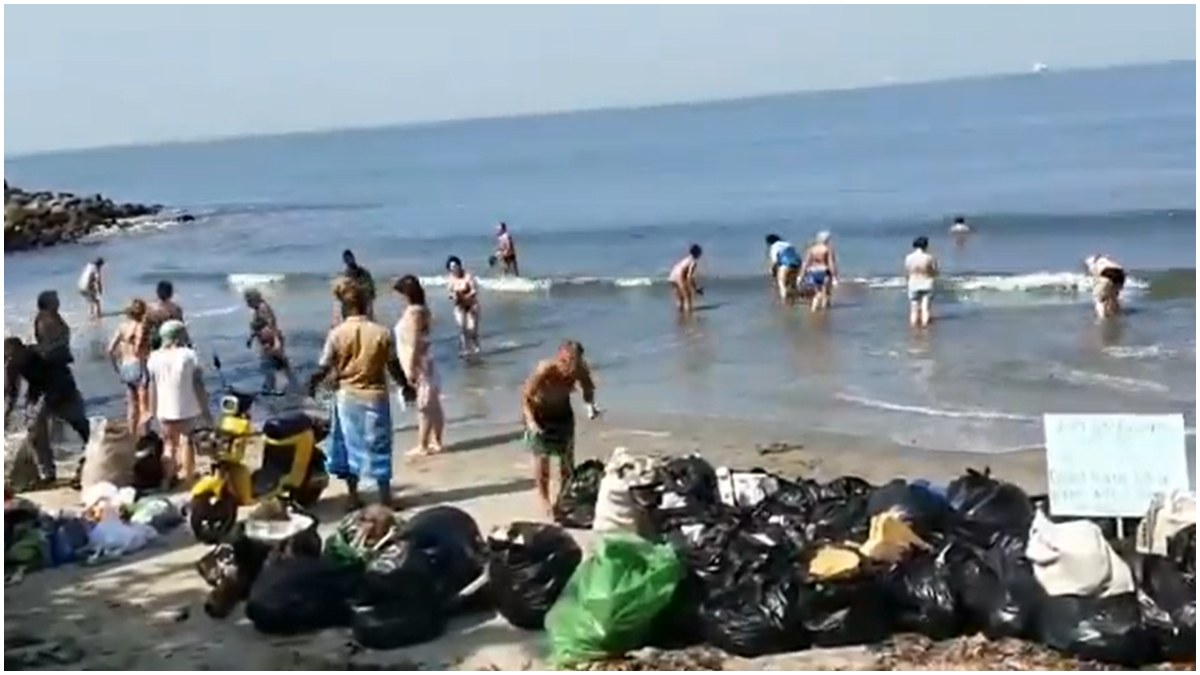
pixel 528 566
pixel 1096 629
pixel 399 601
pixel 1168 603
pixel 926 513
pixel 799 496
pixel 231 567
pixel 839 519
pixel 920 593
pixel 849 610
pixel 576 505
pixel 689 482
pixel 996 590
pixel 1181 548
pixel 147 463
pixel 750 607
pixel 450 538
pixel 299 594
pixel 846 486
pixel 987 508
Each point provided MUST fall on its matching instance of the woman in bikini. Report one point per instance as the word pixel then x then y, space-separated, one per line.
pixel 129 349
pixel 819 270
pixel 464 293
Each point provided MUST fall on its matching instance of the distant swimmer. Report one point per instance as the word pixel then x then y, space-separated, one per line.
pixel 820 270
pixel 353 275
pixel 506 250
pixel 683 280
pixel 464 293
pixel 91 286
pixel 785 265
pixel 1108 279
pixel 921 268
pixel 960 226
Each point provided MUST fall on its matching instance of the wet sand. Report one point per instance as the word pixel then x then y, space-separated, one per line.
pixel 146 611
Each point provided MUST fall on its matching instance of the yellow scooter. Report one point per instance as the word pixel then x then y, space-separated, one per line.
pixel 292 467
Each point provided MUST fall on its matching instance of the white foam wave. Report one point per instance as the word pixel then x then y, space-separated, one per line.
pixel 216 311
pixel 138 225
pixel 1115 382
pixel 1139 352
pixel 1066 282
pixel 498 284
pixel 242 282
pixel 935 412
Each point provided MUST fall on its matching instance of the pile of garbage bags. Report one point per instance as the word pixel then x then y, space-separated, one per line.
pixel 768 565
pixel 112 524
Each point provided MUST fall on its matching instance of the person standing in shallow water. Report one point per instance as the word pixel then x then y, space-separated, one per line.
pixel 163 310
pixel 549 418
pixel 1108 280
pixel 683 280
pixel 129 349
pixel 820 270
pixel 357 276
pixel 91 286
pixel 464 293
pixel 506 250
pixel 921 269
pixel 415 353
pixel 359 354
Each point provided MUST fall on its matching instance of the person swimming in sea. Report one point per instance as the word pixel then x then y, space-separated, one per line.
pixel 785 265
pixel 1108 280
pixel 921 269
pixel 683 280
pixel 819 270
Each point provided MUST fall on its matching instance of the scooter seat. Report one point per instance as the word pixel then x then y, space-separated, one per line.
pixel 282 428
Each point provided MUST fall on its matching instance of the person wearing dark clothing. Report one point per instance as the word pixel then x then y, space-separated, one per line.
pixel 354 276
pixel 50 392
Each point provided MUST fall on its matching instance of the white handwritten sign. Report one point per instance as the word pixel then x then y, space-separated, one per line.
pixel 1112 465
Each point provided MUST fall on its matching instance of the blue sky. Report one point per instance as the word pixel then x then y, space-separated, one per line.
pixel 79 76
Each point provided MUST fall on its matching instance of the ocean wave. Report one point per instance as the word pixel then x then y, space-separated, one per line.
pixel 1034 283
pixel 1087 378
pixel 936 412
pixel 1141 352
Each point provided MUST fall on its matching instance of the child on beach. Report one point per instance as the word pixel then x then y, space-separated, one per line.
pixel 549 418
pixel 683 280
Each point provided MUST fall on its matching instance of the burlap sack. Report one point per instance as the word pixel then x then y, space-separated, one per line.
pixel 110 454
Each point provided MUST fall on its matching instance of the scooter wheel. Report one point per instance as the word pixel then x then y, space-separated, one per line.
pixel 212 516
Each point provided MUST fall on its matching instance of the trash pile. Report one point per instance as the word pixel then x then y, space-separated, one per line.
pixel 111 524
pixel 745 562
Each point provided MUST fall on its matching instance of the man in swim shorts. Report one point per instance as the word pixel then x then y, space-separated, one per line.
pixel 785 265
pixel 354 275
pixel 549 418
pixel 921 268
pixel 91 286
pixel 1108 279
pixel 819 271
pixel 506 250
pixel 683 280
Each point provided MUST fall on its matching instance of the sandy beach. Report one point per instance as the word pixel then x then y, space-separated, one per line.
pixel 146 611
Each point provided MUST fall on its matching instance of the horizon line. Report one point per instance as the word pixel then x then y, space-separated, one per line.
pixel 563 112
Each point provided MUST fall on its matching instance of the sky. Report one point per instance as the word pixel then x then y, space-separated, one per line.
pixel 93 75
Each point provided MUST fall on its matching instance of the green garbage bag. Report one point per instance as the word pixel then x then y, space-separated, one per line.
pixel 612 599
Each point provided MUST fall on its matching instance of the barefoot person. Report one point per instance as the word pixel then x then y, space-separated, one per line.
pixel 820 270
pixel 178 400
pixel 353 275
pixel 265 331
pixel 1108 279
pixel 50 392
pixel 91 286
pixel 785 265
pixel 683 280
pixel 549 418
pixel 128 350
pixel 506 250
pixel 415 353
pixel 358 355
pixel 163 310
pixel 464 293
pixel 921 268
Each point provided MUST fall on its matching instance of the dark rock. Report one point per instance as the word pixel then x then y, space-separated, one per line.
pixel 41 219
